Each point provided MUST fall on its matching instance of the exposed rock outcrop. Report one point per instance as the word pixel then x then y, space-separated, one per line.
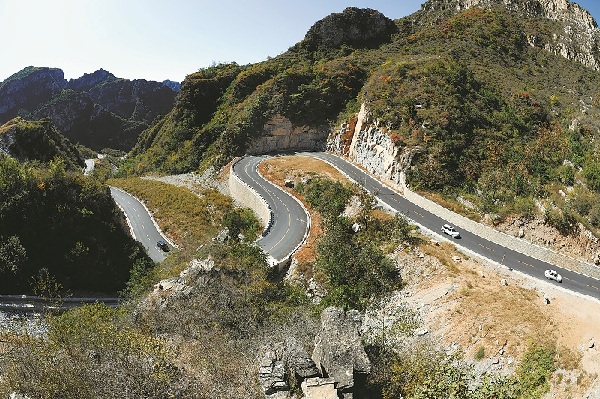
pixel 175 86
pixel 338 367
pixel 355 27
pixel 339 352
pixel 29 88
pixel 89 80
pixel 282 363
pixel 579 39
pixel 370 146
pixel 280 135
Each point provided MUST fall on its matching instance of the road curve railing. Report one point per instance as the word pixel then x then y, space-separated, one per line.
pixel 245 194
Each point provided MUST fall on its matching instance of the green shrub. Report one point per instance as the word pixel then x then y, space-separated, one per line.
pixel 90 352
pixel 480 354
pixel 327 196
pixel 591 172
pixel 562 220
pixel 534 370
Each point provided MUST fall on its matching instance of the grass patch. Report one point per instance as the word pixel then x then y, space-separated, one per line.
pixel 187 218
pixel 480 354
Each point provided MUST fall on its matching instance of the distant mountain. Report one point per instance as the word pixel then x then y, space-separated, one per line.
pixel 176 86
pixel 37 141
pixel 97 110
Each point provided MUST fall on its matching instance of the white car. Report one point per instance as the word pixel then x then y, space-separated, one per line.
pixel 553 275
pixel 451 231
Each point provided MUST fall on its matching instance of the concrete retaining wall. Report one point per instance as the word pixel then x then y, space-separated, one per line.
pixel 247 197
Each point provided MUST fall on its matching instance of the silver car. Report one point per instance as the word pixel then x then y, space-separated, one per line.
pixel 450 230
pixel 553 275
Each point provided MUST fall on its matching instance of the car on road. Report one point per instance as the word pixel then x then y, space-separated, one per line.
pixel 553 275
pixel 162 244
pixel 450 230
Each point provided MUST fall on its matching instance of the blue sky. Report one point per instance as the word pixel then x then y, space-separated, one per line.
pixel 164 39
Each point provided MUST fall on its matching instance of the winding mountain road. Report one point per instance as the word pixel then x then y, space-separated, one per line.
pixel 142 226
pixel 290 223
pixel 288 228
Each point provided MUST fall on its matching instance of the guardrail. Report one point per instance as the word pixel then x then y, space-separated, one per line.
pixel 285 259
pixel 32 303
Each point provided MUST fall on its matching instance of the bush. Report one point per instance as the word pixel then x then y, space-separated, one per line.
pixel 68 224
pixel 480 354
pixel 562 220
pixel 89 352
pixel 357 271
pixel 327 196
pixel 533 373
pixel 591 172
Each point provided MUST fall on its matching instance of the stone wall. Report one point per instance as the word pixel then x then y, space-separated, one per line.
pixel 491 234
pixel 280 135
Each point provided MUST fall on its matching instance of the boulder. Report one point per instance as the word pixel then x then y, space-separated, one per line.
pixel 319 388
pixel 282 362
pixel 272 376
pixel 338 351
pixel 298 361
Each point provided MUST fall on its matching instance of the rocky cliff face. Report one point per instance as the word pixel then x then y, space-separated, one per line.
pixel 98 109
pixel 577 37
pixel 368 145
pixel 89 80
pixel 280 135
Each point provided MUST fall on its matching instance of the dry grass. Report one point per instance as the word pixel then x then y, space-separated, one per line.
pixel 185 217
pixel 453 205
pixel 479 311
pixel 294 167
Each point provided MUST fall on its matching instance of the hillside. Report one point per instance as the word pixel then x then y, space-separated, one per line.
pixel 61 231
pixel 97 110
pixel 38 141
pixel 483 101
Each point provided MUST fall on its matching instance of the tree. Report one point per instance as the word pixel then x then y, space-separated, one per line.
pixel 591 172
pixel 12 254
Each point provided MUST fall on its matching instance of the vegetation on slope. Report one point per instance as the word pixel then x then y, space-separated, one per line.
pixel 493 124
pixel 38 141
pixel 495 120
pixel 61 225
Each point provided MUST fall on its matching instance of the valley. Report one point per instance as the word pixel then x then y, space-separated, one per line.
pixel 387 209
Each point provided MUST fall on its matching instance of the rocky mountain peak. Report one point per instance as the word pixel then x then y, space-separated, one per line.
pixel 355 27
pixel 578 39
pixel 89 80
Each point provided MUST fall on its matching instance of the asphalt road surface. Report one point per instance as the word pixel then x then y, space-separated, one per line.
pixel 141 223
pixel 497 253
pixel 290 223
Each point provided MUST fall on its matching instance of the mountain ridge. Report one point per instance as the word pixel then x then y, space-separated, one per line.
pixel 97 110
pixel 579 39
